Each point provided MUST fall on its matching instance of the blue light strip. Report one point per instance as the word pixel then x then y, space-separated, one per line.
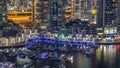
pixel 58 41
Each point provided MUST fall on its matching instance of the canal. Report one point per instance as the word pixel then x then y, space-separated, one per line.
pixel 106 56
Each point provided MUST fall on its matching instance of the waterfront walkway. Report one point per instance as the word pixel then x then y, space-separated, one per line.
pixel 58 41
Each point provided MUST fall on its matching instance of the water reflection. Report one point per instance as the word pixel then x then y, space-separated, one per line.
pixel 106 56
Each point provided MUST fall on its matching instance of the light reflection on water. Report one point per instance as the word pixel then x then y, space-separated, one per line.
pixel 107 56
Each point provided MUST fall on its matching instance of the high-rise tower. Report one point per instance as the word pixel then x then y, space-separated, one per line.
pixel 42 13
pixel 85 10
pixel 49 12
pixel 110 13
pixel 72 9
pixel 107 16
pixel 81 9
pixel 119 16
pixel 57 13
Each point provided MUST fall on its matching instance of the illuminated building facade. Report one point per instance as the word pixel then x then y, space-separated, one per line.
pixel 76 9
pixel 42 13
pixel 20 12
pixel 85 10
pixel 100 14
pixel 119 16
pixel 21 5
pixel 110 13
pixel 107 16
pixel 57 13
pixel 3 11
pixel 80 9
pixel 49 12
pixel 72 9
pixel 68 10
pixel 110 19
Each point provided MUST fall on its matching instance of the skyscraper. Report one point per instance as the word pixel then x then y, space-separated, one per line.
pixel 49 12
pixel 108 15
pixel 85 10
pixel 119 16
pixel 42 13
pixel 80 9
pixel 100 14
pixel 68 10
pixel 57 13
pixel 111 16
pixel 76 9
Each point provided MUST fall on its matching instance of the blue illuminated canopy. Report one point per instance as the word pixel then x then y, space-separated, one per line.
pixel 57 41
